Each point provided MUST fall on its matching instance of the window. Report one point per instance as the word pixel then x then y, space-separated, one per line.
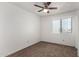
pixel 56 26
pixel 63 25
pixel 66 25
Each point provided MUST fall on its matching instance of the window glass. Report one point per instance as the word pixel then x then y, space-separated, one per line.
pixel 56 26
pixel 66 25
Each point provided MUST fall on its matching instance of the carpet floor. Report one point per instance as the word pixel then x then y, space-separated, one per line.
pixel 44 49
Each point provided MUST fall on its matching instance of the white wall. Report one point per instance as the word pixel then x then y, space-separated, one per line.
pixel 18 29
pixel 77 36
pixel 62 38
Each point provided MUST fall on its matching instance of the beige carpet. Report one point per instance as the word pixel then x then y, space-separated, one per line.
pixel 44 49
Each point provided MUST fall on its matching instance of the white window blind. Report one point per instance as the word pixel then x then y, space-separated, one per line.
pixel 56 26
pixel 66 25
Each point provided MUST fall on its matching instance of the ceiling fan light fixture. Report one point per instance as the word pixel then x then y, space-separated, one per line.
pixel 45 10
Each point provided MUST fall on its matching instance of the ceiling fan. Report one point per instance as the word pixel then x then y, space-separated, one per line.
pixel 46 7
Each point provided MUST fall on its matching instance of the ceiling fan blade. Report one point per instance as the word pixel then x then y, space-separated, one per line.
pixel 52 8
pixel 48 3
pixel 40 10
pixel 38 6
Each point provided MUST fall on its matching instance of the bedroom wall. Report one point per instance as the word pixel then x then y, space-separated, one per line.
pixel 62 38
pixel 77 36
pixel 18 29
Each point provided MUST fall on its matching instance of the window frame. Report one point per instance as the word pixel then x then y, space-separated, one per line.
pixel 61 27
pixel 71 25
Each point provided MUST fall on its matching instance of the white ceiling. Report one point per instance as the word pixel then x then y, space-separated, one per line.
pixel 62 7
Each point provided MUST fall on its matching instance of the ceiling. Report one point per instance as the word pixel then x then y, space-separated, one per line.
pixel 62 7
